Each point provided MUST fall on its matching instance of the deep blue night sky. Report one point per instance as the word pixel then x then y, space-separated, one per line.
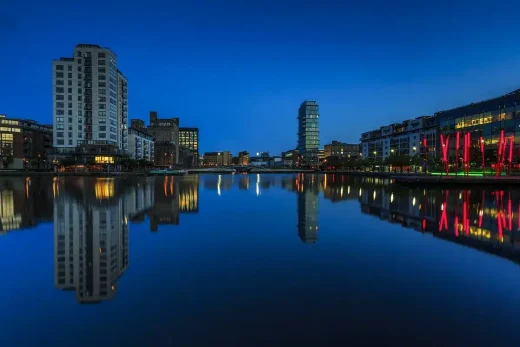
pixel 239 71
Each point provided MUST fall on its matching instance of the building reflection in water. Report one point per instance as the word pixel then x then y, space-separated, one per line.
pixel 25 202
pixel 173 195
pixel 91 234
pixel 91 228
pixel 92 215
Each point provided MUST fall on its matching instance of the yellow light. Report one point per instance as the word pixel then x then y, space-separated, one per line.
pixel 413 202
pixel 374 195
pixel 391 197
pixel 360 191
pixel 341 192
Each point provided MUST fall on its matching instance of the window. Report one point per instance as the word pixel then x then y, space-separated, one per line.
pixel 59 105
pixel 102 135
pixel 69 97
pixel 80 135
pixel 102 99
pixel 59 89
pixel 87 55
pixel 59 142
pixel 70 90
pixel 101 54
pixel 88 69
pixel 69 68
pixel 102 120
pixel 102 128
pixel 59 119
pixel 101 62
pixel 79 113
pixel 59 126
pixel 80 98
pixel 70 142
pixel 79 76
pixel 59 75
pixel 60 97
pixel 102 77
pixel 102 106
pixel 59 134
pixel 69 74
pixel 78 54
pixel 80 120
pixel 102 84
pixel 70 119
pixel 79 83
pixel 70 133
pixel 102 91
pixel 102 113
pixel 59 82
pixel 59 67
pixel 102 69
pixel 79 68
pixel 60 112
pixel 80 127
pixel 69 82
pixel 69 112
pixel 70 105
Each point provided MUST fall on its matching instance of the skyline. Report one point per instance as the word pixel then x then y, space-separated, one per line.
pixel 239 75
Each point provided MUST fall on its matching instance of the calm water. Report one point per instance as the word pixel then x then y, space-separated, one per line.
pixel 255 260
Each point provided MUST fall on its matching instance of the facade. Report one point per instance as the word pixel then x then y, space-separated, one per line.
pixel 217 158
pixel 189 138
pixel 24 144
pixel 90 100
pixel 308 133
pixel 140 145
pixel 165 131
pixel 404 138
pixel 342 150
pixel 290 158
pixel 487 120
pixel 243 158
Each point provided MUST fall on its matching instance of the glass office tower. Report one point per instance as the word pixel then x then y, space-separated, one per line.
pixel 308 133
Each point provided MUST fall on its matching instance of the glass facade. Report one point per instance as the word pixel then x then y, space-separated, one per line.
pixel 486 120
pixel 308 133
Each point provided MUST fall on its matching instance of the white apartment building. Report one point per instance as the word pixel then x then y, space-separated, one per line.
pixel 140 145
pixel 404 138
pixel 90 100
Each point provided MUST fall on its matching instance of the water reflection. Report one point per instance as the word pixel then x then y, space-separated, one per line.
pixel 93 216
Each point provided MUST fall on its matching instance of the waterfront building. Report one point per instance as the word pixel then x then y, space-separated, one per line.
pixel 165 132
pixel 308 133
pixel 189 138
pixel 90 103
pixel 342 150
pixel 321 155
pixel 24 144
pixel 217 158
pixel 243 158
pixel 290 158
pixel 140 144
pixel 488 120
pixel 401 139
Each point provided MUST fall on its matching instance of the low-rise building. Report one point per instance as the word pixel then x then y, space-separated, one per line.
pixel 243 158
pixel 24 144
pixel 342 150
pixel 217 158
pixel 290 158
pixel 400 139
pixel 140 144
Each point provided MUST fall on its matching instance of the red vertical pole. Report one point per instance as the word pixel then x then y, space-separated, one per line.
pixel 510 212
pixel 457 146
pixel 425 145
pixel 511 145
pixel 500 140
pixel 482 152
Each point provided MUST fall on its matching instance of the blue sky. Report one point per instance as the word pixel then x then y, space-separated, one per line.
pixel 238 70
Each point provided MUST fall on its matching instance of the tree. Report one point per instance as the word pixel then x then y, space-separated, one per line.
pixel 8 160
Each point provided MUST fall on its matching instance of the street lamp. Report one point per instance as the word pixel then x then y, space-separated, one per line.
pixel 414 148
pixel 392 150
pixel 375 152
